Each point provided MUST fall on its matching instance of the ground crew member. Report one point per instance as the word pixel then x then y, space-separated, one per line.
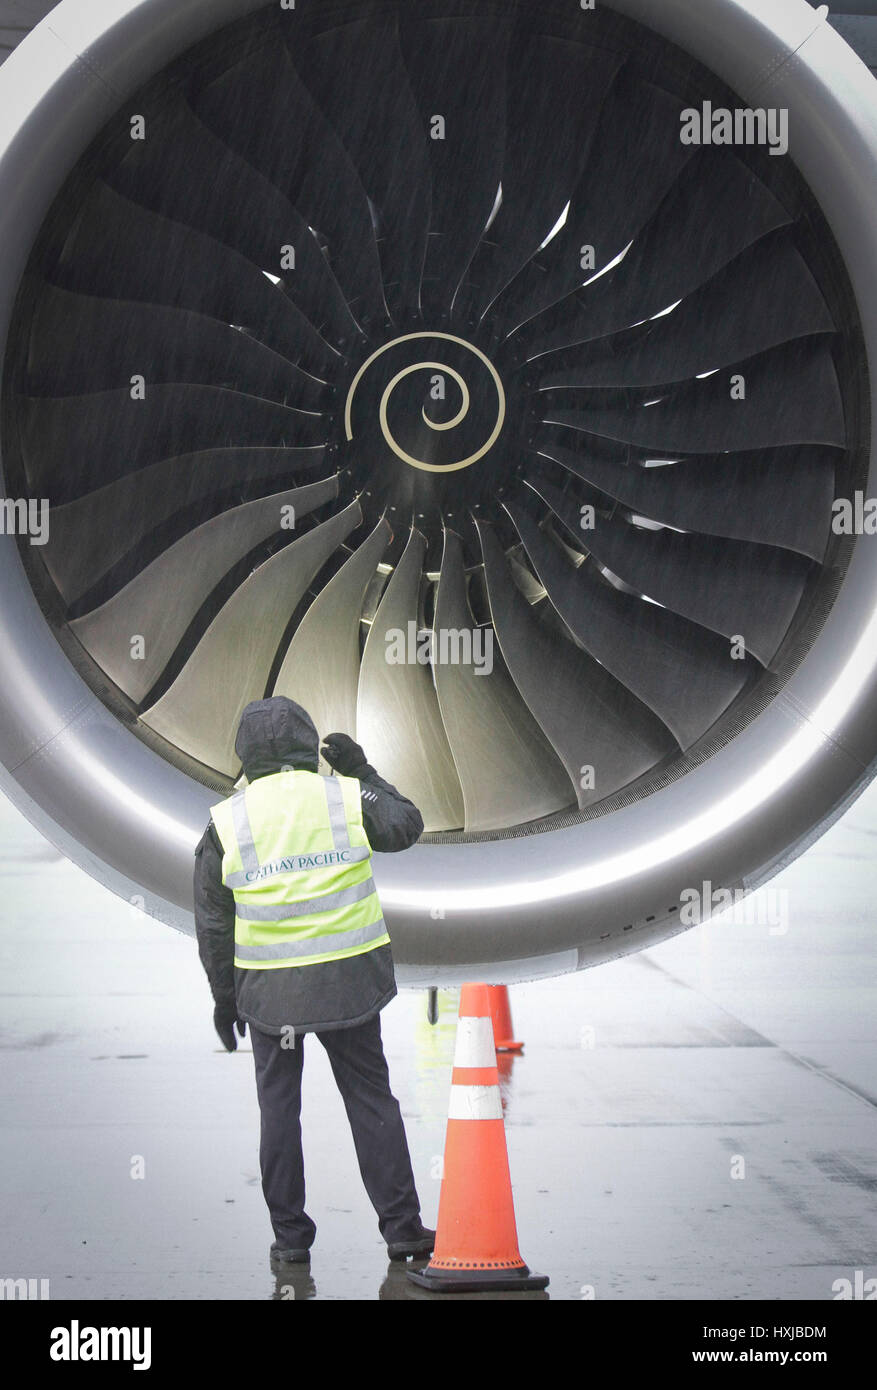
pixel 291 935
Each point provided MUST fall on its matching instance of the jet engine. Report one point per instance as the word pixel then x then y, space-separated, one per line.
pixel 492 377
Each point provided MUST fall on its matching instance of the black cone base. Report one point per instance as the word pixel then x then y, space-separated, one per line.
pixel 477 1280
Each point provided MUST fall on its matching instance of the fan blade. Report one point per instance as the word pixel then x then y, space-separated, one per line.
pixel 457 70
pixel 118 250
pixel 291 143
pixel 715 210
pixel 792 396
pixel 556 89
pixel 233 203
pixel 321 668
pixel 780 497
pixel 764 298
pixel 637 156
pixel 501 756
pixel 397 715
pixel 682 672
pixel 732 587
pixel 231 664
pixel 380 127
pixel 104 434
pixel 168 346
pixel 190 571
pixel 590 719
pixel 118 516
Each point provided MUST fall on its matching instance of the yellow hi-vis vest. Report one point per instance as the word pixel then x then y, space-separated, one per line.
pixel 296 857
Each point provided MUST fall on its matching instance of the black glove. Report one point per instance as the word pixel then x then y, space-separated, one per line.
pixel 225 1020
pixel 345 756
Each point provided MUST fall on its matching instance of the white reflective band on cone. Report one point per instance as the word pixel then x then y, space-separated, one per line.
pixel 475 1046
pixel 475 1102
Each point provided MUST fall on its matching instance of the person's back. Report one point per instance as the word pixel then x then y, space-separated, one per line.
pixel 292 937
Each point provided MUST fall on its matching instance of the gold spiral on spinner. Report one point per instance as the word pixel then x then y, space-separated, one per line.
pixel 461 415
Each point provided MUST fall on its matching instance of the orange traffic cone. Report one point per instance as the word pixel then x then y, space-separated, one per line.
pixel 476 1248
pixel 501 1013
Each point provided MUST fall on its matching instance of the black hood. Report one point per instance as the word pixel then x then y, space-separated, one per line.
pixel 274 734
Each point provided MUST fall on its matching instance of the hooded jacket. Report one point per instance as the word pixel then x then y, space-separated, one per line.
pixel 273 735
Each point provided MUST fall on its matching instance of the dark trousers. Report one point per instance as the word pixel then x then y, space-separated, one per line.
pixel 360 1070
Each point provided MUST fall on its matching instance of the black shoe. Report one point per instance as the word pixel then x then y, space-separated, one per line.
pixel 420 1245
pixel 280 1256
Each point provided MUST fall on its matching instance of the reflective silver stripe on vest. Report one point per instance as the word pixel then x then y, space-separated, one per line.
pixel 328 902
pixel 337 813
pixel 315 946
pixel 244 832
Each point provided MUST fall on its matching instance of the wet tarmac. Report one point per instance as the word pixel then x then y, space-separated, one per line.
pixel 696 1122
